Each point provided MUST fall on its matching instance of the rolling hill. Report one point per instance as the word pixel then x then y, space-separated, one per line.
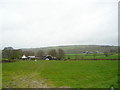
pixel 76 49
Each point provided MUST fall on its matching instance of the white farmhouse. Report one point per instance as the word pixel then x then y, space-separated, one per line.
pixel 24 57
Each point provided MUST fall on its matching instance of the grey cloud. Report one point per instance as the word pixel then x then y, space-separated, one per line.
pixel 36 23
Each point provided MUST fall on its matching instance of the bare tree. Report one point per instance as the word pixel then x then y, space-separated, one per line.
pixel 40 53
pixel 61 54
pixel 28 53
pixel 52 52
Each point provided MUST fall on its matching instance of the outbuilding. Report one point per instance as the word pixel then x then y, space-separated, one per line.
pixel 24 57
pixel 31 57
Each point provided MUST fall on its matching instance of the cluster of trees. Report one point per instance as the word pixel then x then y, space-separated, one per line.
pixel 59 54
pixel 10 53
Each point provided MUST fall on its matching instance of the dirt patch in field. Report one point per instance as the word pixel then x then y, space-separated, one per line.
pixel 28 82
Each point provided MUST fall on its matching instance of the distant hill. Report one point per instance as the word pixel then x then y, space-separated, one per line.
pixel 76 49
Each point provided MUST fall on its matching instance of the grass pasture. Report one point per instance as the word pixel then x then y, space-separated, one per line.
pixel 73 74
pixel 91 56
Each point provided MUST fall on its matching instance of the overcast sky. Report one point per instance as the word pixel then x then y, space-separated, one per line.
pixel 42 23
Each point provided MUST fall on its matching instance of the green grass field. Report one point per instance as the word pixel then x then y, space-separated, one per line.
pixel 73 74
pixel 91 56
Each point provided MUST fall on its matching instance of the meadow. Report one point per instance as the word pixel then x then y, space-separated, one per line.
pixel 56 74
pixel 92 56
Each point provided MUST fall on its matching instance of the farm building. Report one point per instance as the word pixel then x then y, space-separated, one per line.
pixel 28 57
pixel 47 57
pixel 31 57
pixel 24 57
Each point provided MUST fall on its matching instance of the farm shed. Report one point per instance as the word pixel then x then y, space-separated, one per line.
pixel 23 57
pixel 31 57
pixel 49 57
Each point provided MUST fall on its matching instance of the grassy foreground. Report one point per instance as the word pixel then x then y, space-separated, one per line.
pixel 73 74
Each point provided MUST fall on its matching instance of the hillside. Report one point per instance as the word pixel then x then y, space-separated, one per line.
pixel 76 49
